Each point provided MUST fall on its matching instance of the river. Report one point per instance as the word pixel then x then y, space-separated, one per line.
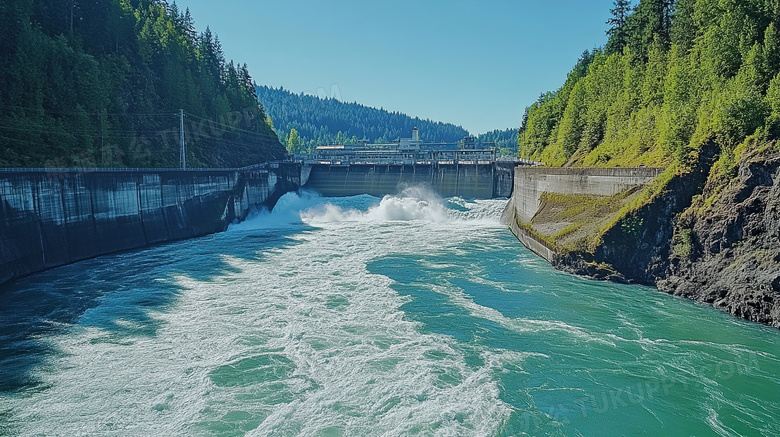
pixel 409 315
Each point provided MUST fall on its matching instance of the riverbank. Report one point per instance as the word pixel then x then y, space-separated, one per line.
pixel 683 232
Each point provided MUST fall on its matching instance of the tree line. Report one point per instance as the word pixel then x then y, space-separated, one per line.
pixel 673 76
pixel 503 139
pixel 101 83
pixel 304 121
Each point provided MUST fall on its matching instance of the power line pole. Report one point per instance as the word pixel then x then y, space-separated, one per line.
pixel 102 144
pixel 182 151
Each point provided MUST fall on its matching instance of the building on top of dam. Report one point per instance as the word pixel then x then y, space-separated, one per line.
pixel 407 151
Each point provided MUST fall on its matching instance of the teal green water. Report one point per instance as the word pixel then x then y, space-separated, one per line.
pixel 405 316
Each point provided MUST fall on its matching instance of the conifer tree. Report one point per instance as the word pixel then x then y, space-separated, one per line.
pixel 618 32
pixel 772 50
pixel 683 30
pixel 189 27
pixel 650 24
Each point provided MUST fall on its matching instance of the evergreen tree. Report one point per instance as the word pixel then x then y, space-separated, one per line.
pixel 189 27
pixel 618 32
pixel 650 23
pixel 98 83
pixel 524 121
pixel 683 28
pixel 772 50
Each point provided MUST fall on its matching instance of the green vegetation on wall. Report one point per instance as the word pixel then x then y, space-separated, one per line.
pixel 100 83
pixel 673 76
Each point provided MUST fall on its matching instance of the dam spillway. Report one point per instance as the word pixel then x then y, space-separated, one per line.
pixel 469 180
pixel 463 169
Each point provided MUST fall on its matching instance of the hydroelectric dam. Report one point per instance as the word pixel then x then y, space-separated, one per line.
pixel 483 180
pixel 343 316
pixel 460 169
pixel 53 217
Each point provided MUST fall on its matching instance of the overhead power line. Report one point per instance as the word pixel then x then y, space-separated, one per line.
pixel 223 125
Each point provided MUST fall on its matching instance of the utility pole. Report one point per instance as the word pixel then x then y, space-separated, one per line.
pixel 102 144
pixel 182 151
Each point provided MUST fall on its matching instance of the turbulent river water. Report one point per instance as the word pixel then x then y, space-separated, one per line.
pixel 408 315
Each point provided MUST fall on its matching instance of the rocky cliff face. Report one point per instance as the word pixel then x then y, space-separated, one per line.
pixel 637 248
pixel 728 254
pixel 725 252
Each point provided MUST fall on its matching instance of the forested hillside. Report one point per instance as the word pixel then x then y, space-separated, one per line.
pixel 318 121
pixel 101 83
pixel 673 76
pixel 692 86
pixel 505 140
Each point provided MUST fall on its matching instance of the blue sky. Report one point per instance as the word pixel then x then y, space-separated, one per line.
pixel 472 63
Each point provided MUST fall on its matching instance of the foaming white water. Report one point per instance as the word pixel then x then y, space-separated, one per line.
pixel 367 316
pixel 412 204
pixel 297 340
pixel 478 211
pixel 286 213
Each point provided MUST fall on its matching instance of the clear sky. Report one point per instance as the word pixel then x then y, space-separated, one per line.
pixel 472 63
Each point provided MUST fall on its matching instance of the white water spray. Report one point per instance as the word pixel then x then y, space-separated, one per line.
pixel 412 204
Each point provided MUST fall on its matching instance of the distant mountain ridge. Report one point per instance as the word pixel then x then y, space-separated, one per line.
pixel 320 121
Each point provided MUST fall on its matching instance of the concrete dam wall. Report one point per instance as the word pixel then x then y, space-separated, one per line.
pixel 531 182
pixel 481 181
pixel 52 217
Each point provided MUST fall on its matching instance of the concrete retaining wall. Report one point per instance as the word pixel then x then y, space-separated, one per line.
pixel 482 181
pixel 50 218
pixel 531 182
pixel 535 246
